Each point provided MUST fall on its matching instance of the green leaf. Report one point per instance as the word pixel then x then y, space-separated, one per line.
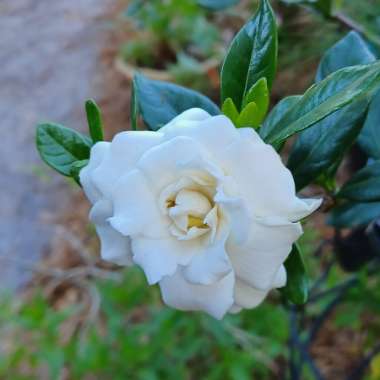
pixel 94 119
pixel 322 147
pixel 134 107
pixel 369 138
pixel 296 288
pixel 364 186
pixel 334 92
pixel 229 109
pixel 280 109
pixel 251 56
pixel 352 214
pixel 159 102
pixel 259 94
pixel 249 117
pixel 323 6
pixel 216 5
pixel 61 147
pixel 318 148
pixel 349 51
pixel 76 167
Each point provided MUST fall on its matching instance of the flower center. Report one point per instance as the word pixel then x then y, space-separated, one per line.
pixel 191 212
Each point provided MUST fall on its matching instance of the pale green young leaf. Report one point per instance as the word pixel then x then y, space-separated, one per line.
pixel 249 117
pixel 229 109
pixel 259 93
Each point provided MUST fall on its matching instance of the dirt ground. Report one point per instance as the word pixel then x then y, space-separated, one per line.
pixel 53 56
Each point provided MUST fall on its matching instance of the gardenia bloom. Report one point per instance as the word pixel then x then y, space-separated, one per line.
pixel 208 211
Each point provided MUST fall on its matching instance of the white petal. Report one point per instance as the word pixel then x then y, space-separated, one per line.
pixel 258 261
pixel 98 152
pixel 114 247
pixel 304 207
pixel 213 133
pixel 235 309
pixel 125 150
pixel 236 210
pixel 263 180
pixel 249 133
pixel 192 114
pixel 190 202
pixel 215 299
pixel 246 296
pixel 160 257
pixel 162 164
pixel 281 277
pixel 136 208
pixel 209 265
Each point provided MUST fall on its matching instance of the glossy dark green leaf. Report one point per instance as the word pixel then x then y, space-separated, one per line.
pixel 352 214
pixel 275 115
pixel 94 119
pixel 76 167
pixel 323 6
pixel 369 138
pixel 251 56
pixel 320 147
pixel 296 288
pixel 61 147
pixel 364 186
pixel 216 5
pixel 349 51
pixel 324 98
pixel 134 108
pixel 159 102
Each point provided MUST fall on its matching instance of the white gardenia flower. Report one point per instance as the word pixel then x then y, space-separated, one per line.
pixel 208 211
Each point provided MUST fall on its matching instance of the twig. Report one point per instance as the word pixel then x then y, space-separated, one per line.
pixel 327 312
pixel 93 313
pixel 250 342
pixel 294 368
pixel 76 244
pixel 322 278
pixel 358 372
pixel 303 349
pixel 67 274
pixel 343 286
pixel 347 22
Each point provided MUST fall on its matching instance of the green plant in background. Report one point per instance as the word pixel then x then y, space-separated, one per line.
pixel 339 111
pixel 176 37
pixel 248 72
pixel 133 336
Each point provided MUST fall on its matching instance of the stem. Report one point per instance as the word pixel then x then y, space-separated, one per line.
pixel 358 372
pixel 315 328
pixel 294 367
pixel 340 287
pixel 348 23
pixel 300 351
pixel 319 282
